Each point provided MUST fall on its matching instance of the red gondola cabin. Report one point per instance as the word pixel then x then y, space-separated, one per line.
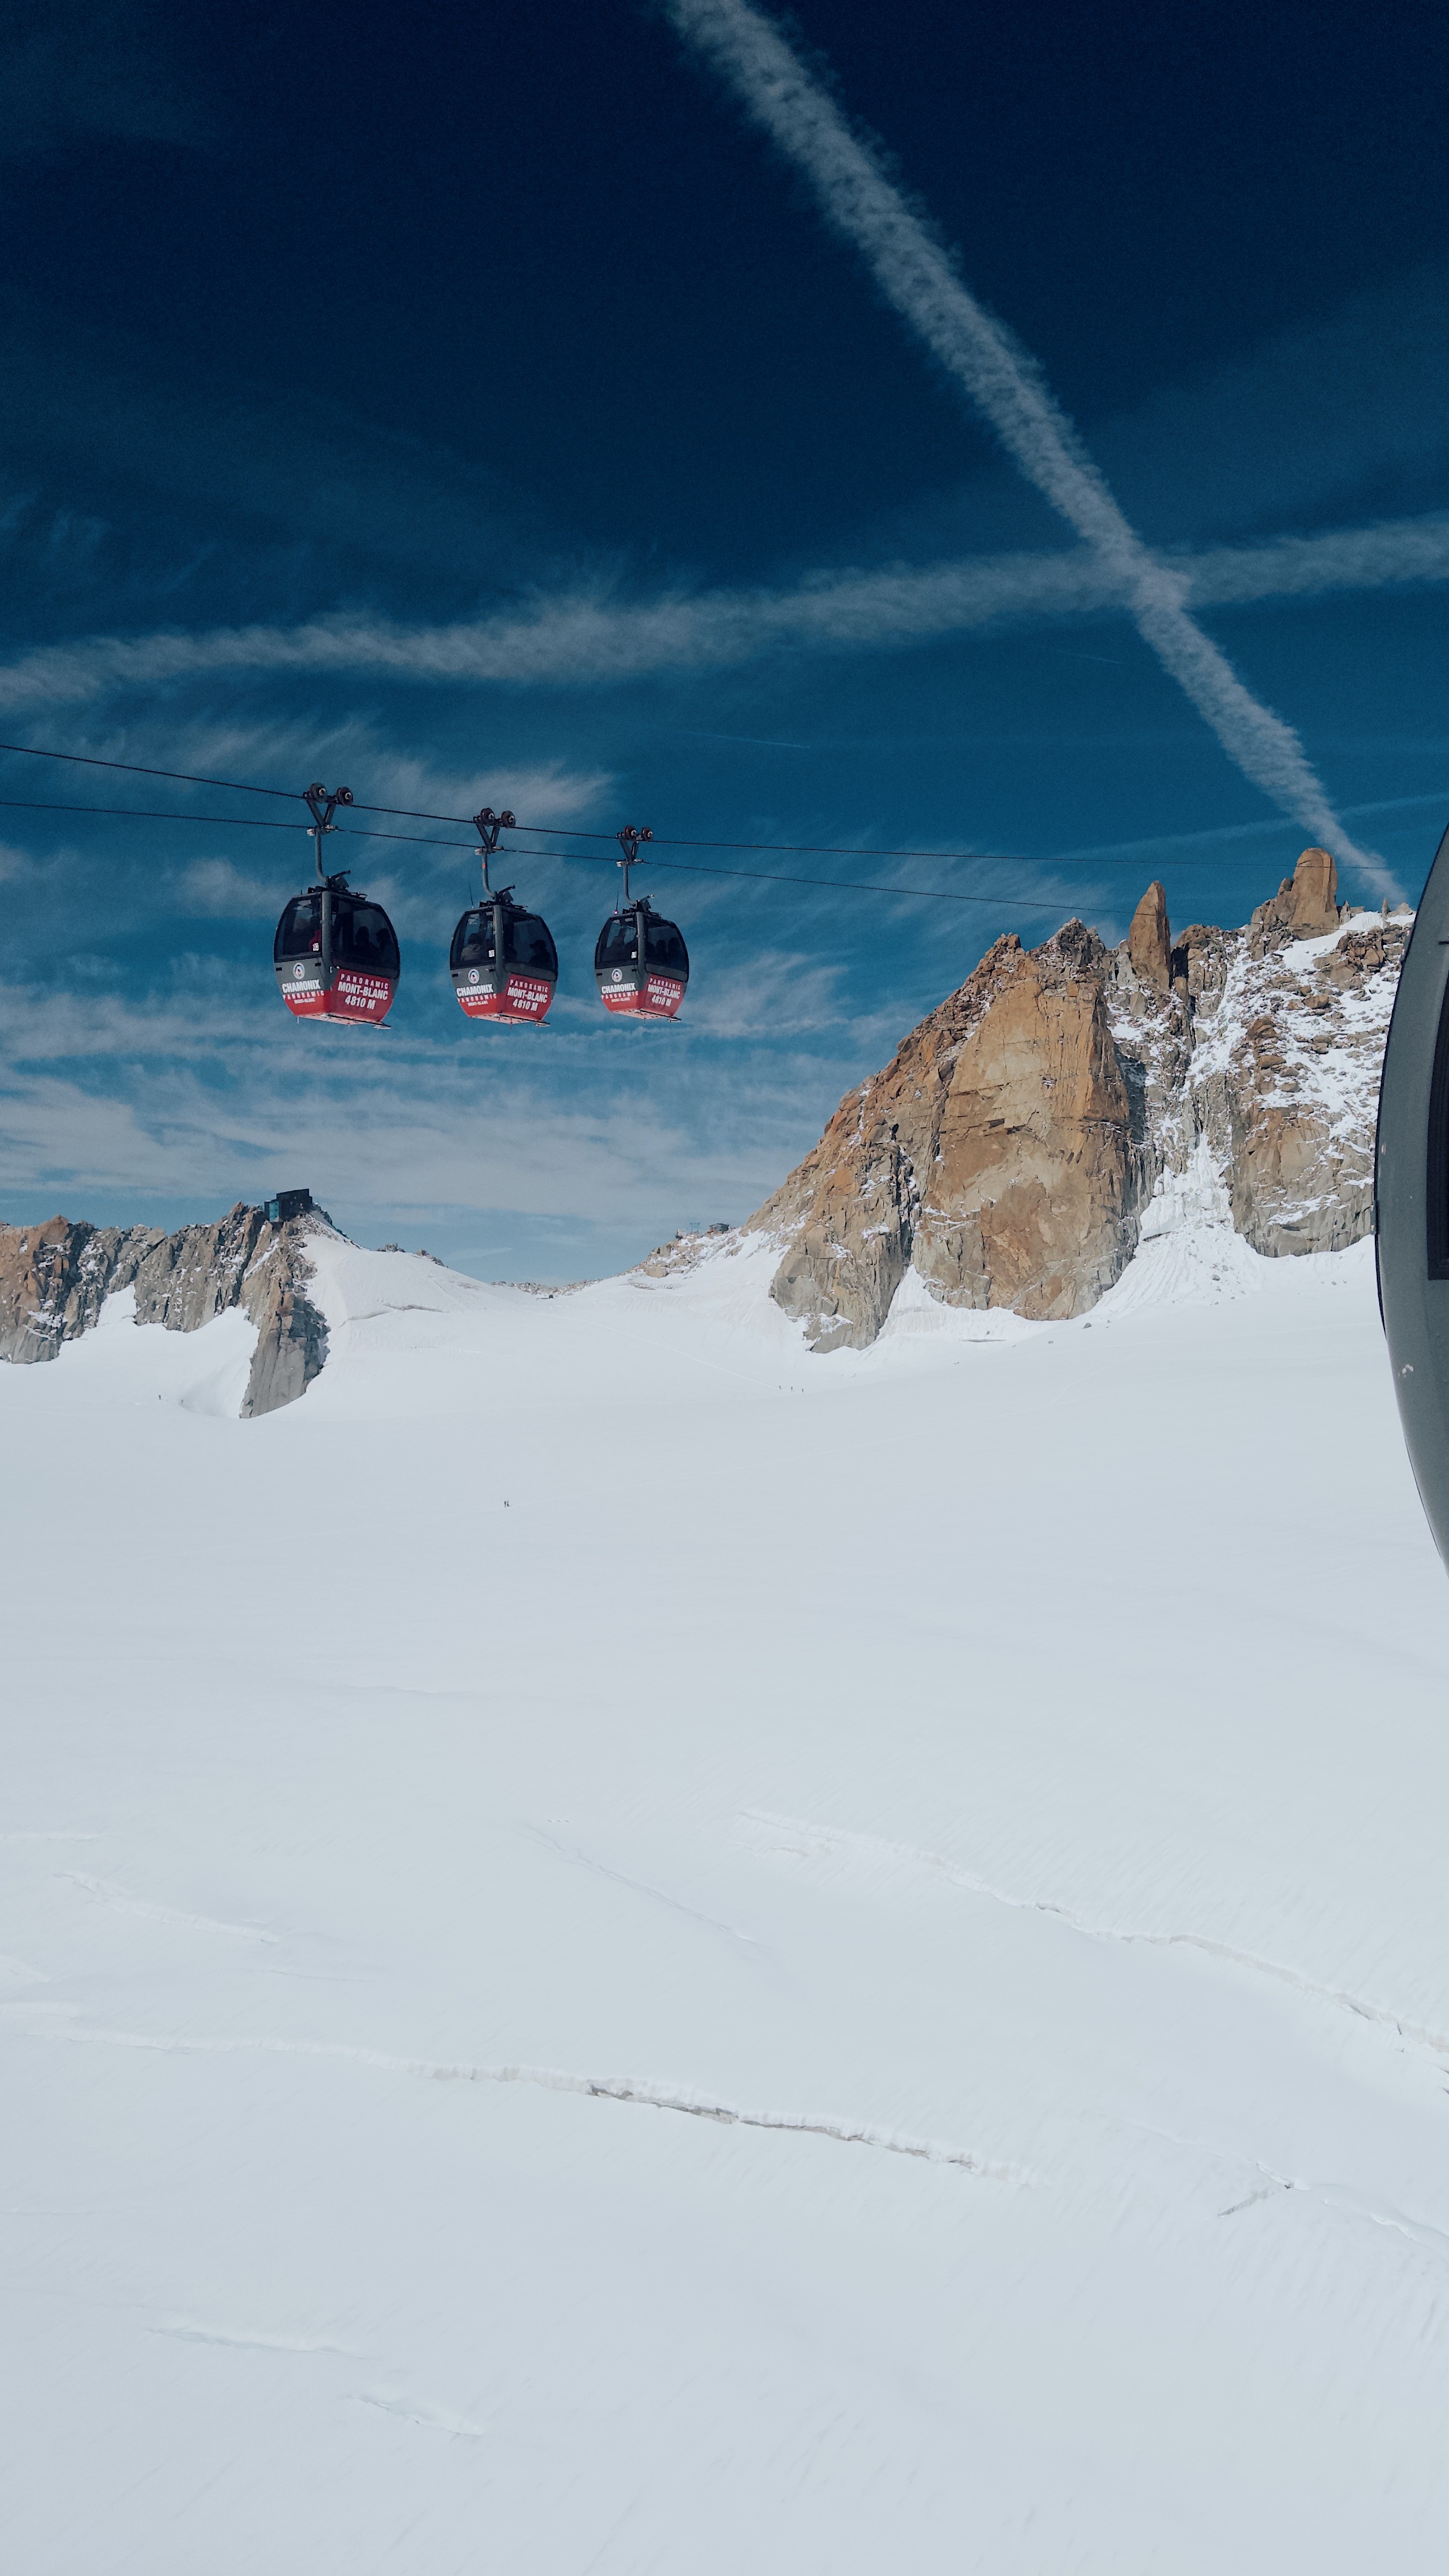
pixel 641 964
pixel 336 957
pixel 503 963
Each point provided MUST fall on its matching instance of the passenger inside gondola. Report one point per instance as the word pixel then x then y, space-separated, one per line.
pixel 664 947
pixel 529 945
pixel 364 938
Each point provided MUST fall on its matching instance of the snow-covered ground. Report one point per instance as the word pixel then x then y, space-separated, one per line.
pixel 627 1951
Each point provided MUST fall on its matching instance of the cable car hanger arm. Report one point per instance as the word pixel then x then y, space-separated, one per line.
pixel 488 825
pixel 322 806
pixel 629 839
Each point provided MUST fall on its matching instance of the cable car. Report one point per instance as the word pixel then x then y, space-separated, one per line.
pixel 1411 1197
pixel 641 964
pixel 335 953
pixel 503 961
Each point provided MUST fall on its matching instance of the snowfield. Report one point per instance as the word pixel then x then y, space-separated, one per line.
pixel 629 1951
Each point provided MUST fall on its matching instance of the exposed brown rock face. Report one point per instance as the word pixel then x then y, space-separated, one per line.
pixel 55 1277
pixel 1315 894
pixel 1029 1128
pixel 1304 907
pixel 1149 944
pixel 996 1151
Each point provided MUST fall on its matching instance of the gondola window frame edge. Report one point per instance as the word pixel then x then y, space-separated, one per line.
pixel 1436 1175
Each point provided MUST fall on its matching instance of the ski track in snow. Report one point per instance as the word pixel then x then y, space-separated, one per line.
pixel 907 1854
pixel 125 1903
pixel 418 2410
pixel 640 1887
pixel 54 1834
pixel 239 2339
pixel 551 2079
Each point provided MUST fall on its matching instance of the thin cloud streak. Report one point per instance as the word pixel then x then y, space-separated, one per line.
pixel 579 637
pixel 591 639
pixel 919 277
pixel 1372 558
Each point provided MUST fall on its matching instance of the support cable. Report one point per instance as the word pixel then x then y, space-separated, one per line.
pixel 553 831
pixel 594 858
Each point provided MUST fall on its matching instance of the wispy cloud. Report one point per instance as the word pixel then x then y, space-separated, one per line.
pixel 579 637
pixel 773 993
pixel 373 1125
pixel 1374 558
pixel 215 889
pixel 283 753
pixel 918 275
pixel 597 639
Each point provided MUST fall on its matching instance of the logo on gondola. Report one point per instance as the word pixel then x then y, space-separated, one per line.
pixel 298 972
pixel 472 974
pixel 618 974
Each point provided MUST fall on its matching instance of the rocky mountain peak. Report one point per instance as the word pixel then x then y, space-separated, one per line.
pixel 1027 1130
pixel 55 1277
pixel 994 1152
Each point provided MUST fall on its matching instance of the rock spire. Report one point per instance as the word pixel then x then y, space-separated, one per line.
pixel 1024 1135
pixel 1149 941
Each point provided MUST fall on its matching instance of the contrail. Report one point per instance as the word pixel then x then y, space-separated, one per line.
pixel 591 637
pixel 919 277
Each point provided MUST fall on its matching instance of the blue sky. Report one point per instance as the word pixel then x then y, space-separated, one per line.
pixel 477 404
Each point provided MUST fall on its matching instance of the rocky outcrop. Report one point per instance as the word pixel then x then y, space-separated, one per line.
pixel 201 1271
pixel 291 1341
pixel 1008 1152
pixel 55 1277
pixel 1304 907
pixel 1149 943
pixel 996 1151
pixel 1284 1082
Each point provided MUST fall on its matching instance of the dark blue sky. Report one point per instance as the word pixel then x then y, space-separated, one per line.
pixel 458 319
